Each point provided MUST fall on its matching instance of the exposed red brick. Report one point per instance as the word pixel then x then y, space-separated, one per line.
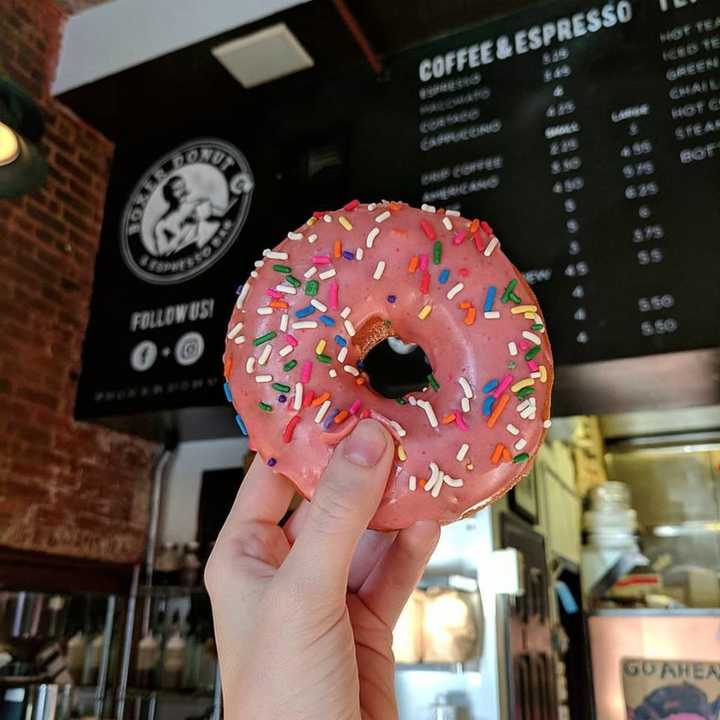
pixel 66 488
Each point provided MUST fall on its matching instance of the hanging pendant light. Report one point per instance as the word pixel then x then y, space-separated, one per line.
pixel 22 167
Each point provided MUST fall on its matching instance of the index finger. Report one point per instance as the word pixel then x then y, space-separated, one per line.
pixel 264 497
pixel 370 549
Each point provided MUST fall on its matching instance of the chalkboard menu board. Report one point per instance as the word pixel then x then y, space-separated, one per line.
pixel 587 134
pixel 590 135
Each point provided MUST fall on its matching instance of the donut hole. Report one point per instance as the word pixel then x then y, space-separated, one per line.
pixel 395 368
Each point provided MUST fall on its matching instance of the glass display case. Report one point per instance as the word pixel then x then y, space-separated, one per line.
pixel 145 655
pixel 57 653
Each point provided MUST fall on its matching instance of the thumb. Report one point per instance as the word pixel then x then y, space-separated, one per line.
pixel 345 499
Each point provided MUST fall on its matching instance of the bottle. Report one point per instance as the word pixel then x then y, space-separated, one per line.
pixel 611 524
pixel 191 565
pixel 206 661
pixel 92 659
pixel 173 660
pixel 167 564
pixel 55 616
pixel 76 656
pixel 188 675
pixel 146 661
pixel 443 709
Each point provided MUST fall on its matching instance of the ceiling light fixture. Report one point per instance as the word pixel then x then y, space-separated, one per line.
pixel 263 56
pixel 22 167
pixel 9 145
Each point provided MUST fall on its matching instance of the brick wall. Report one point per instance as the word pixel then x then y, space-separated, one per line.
pixel 73 6
pixel 65 487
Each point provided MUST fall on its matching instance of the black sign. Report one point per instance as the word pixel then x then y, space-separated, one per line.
pixel 587 134
pixel 590 136
pixel 151 347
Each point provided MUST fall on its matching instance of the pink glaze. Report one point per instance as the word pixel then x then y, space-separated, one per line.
pixel 333 437
pixel 477 353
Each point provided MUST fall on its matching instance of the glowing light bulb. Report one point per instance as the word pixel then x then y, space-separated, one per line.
pixel 9 145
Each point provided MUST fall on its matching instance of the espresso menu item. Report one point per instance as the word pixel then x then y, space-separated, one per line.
pixel 591 134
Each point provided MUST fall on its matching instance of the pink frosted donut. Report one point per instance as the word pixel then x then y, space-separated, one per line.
pixel 413 317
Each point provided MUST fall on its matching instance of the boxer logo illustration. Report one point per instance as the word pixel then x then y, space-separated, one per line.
pixel 186 211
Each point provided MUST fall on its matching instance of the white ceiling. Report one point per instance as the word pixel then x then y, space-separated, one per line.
pixel 114 36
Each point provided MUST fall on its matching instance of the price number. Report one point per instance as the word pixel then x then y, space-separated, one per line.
pixel 554 56
pixel 641 190
pixel 641 147
pixel 655 302
pixel 565 165
pixel 650 257
pixel 557 73
pixel 566 145
pixel 569 185
pixel 640 169
pixel 578 269
pixel 560 109
pixel 661 326
pixel 648 232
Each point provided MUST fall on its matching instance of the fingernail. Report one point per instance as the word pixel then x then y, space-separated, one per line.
pixel 366 445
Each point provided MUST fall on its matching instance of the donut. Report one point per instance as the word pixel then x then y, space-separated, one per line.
pixel 413 317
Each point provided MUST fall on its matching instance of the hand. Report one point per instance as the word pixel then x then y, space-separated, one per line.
pixel 304 614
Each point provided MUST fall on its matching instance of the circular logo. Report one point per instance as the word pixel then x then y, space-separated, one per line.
pixel 186 211
pixel 189 348
pixel 143 356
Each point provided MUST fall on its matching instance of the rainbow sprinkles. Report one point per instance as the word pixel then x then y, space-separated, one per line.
pixel 347 279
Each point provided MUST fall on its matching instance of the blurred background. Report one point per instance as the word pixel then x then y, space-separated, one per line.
pixel 587 134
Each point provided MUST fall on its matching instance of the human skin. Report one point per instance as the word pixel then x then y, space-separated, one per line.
pixel 304 613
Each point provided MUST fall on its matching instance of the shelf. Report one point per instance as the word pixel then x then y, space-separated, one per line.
pixel 455 581
pixel 470 666
pixel 170 694
pixel 169 591
pixel 655 612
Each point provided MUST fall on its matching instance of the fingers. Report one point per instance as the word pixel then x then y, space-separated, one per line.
pixel 345 499
pixel 295 522
pixel 370 549
pixel 391 582
pixel 250 531
pixel 264 496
